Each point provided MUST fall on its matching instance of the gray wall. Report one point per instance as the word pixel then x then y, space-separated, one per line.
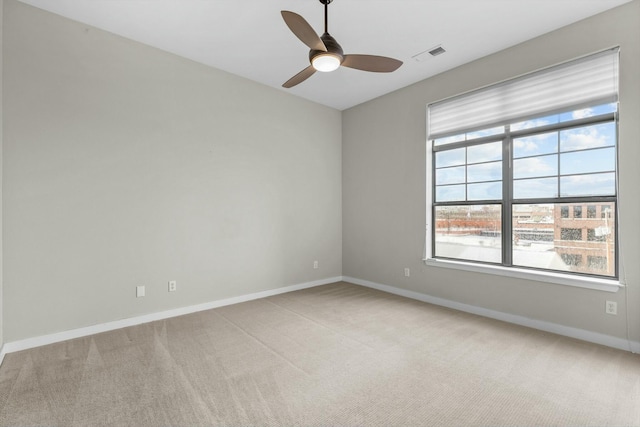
pixel 1 174
pixel 384 201
pixel 125 166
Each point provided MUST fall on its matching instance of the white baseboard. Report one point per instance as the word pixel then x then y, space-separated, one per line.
pixel 28 343
pixel 581 334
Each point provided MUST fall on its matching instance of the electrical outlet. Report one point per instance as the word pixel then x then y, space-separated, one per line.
pixel 315 264
pixel 611 307
pixel 407 272
pixel 173 286
pixel 139 291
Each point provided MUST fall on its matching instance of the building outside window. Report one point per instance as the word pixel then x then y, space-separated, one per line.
pixel 577 211
pixel 536 190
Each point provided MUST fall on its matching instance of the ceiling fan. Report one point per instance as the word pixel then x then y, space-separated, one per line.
pixel 326 54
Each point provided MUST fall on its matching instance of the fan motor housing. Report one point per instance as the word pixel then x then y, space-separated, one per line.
pixel 332 47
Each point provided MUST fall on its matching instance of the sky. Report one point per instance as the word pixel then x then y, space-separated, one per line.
pixel 574 162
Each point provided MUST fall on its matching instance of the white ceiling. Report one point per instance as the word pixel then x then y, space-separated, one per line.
pixel 250 39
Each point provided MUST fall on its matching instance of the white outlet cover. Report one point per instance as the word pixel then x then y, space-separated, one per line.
pixel 140 292
pixel 611 307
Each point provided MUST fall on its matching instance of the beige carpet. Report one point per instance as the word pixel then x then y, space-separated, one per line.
pixel 334 355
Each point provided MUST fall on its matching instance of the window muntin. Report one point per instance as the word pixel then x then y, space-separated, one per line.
pixel 582 159
pixel 577 162
pixel 470 173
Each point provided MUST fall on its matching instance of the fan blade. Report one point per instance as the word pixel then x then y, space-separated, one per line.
pixel 303 30
pixel 378 64
pixel 300 77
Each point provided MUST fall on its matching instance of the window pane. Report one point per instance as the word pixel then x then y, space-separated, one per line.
pixel 450 193
pixel 449 139
pixel 484 153
pixel 485 132
pixel 602 184
pixel 469 232
pixel 450 175
pixel 570 234
pixel 544 236
pixel 544 143
pixel 484 191
pixel 535 188
pixel 596 262
pixel 595 235
pixel 591 211
pixel 590 161
pixel 531 167
pixel 572 260
pixel 594 136
pixel 589 112
pixel 450 158
pixel 484 172
pixel 534 123
pixel 577 211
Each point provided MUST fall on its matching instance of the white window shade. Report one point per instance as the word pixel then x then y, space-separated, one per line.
pixel 586 81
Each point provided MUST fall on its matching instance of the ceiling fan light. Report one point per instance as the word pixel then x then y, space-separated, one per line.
pixel 326 62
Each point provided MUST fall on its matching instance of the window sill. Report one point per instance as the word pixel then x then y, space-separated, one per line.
pixel 606 285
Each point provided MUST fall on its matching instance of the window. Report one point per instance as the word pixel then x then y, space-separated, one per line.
pixel 520 169
pixel 577 211
pixel 571 234
pixel 572 260
pixel 597 262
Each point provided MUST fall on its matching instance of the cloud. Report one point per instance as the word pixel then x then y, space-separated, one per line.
pixel 587 137
pixel 485 152
pixel 535 188
pixel 602 184
pixel 449 139
pixel 535 166
pixel 533 123
pixel 581 114
pixel 544 143
pixel 450 176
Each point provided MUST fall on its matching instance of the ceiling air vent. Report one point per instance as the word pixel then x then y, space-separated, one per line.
pixel 437 51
